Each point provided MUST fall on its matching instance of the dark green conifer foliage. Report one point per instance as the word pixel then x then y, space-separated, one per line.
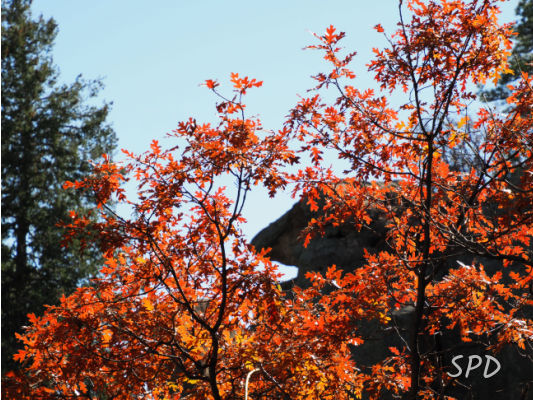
pixel 522 55
pixel 49 134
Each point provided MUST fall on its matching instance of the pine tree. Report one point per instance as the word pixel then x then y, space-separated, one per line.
pixel 49 134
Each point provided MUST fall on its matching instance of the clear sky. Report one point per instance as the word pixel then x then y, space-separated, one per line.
pixel 152 57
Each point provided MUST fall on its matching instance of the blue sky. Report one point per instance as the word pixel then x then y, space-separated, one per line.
pixel 152 57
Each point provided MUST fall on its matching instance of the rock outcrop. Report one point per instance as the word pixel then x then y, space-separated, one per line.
pixel 344 246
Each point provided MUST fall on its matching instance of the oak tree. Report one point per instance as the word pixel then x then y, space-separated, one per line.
pixel 444 224
pixel 169 312
pixel 184 307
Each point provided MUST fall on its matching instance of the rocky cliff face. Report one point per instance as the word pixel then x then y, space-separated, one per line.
pixel 344 246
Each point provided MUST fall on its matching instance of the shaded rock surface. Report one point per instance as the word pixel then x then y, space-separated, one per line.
pixel 344 246
pixel 341 245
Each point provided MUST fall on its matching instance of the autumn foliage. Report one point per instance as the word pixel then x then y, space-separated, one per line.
pixel 184 307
